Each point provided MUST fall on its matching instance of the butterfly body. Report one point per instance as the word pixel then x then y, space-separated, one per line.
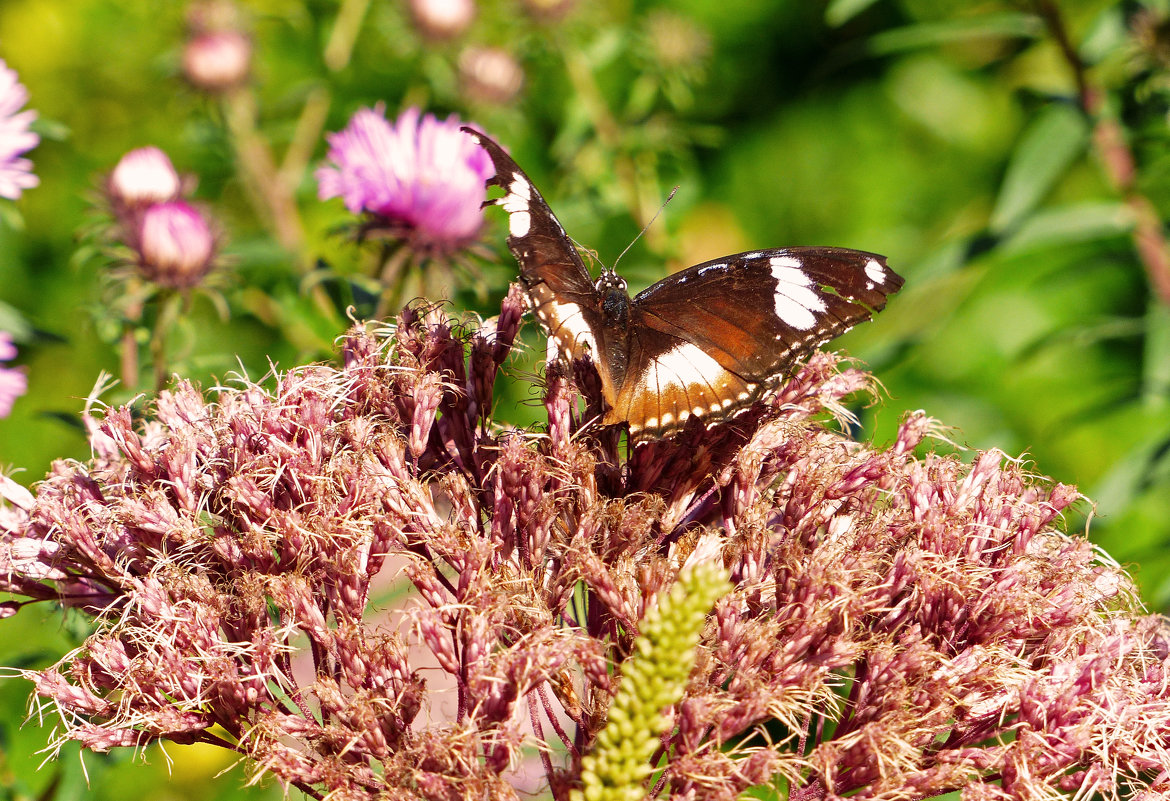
pixel 707 342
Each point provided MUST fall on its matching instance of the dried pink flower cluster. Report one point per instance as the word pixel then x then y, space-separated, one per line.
pixel 899 626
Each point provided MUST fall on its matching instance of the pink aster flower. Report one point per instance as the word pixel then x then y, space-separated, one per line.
pixel 15 137
pixel 13 382
pixel 420 176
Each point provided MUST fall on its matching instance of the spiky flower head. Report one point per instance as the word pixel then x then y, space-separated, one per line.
pixel 175 244
pixel 898 626
pixel 15 137
pixel 418 178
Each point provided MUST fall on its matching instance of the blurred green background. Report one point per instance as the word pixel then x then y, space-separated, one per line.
pixel 1009 158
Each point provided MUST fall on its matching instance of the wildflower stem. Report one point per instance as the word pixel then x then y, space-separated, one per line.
pixel 392 275
pixel 271 190
pixel 128 358
pixel 345 32
pixel 170 305
pixel 310 123
pixel 1117 159
pixel 306 135
pixel 271 198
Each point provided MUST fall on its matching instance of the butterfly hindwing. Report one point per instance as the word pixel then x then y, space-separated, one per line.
pixel 712 339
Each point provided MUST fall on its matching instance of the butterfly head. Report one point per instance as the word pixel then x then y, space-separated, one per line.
pixel 614 298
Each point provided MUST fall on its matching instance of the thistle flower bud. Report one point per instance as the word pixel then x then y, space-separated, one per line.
pixel 216 61
pixel 678 42
pixel 175 244
pixel 142 177
pixel 490 75
pixel 442 19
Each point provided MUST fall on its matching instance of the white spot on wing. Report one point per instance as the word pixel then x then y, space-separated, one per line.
pixel 687 364
pixel 795 299
pixel 516 204
pixel 569 326
pixel 519 223
pixel 875 272
pixel 712 268
pixel 521 188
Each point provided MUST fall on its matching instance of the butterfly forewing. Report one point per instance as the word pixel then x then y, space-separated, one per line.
pixel 560 290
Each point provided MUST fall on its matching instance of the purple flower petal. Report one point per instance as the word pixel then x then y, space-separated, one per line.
pixel 418 172
pixel 13 382
pixel 15 137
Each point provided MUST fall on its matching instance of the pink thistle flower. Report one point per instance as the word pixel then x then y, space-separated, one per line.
pixel 13 382
pixel 143 177
pixel 898 626
pixel 175 244
pixel 421 178
pixel 15 137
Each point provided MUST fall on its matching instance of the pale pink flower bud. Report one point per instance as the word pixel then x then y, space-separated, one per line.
pixel 490 74
pixel 175 244
pixel 217 60
pixel 142 177
pixel 442 19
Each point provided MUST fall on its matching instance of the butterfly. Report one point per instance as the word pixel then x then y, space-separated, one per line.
pixel 708 342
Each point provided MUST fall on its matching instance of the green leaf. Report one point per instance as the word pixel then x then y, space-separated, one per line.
pixel 15 323
pixel 841 11
pixel 1052 141
pixel 1129 477
pixel 1079 222
pixel 932 34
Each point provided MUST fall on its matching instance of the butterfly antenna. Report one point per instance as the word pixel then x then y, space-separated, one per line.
pixel 669 198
